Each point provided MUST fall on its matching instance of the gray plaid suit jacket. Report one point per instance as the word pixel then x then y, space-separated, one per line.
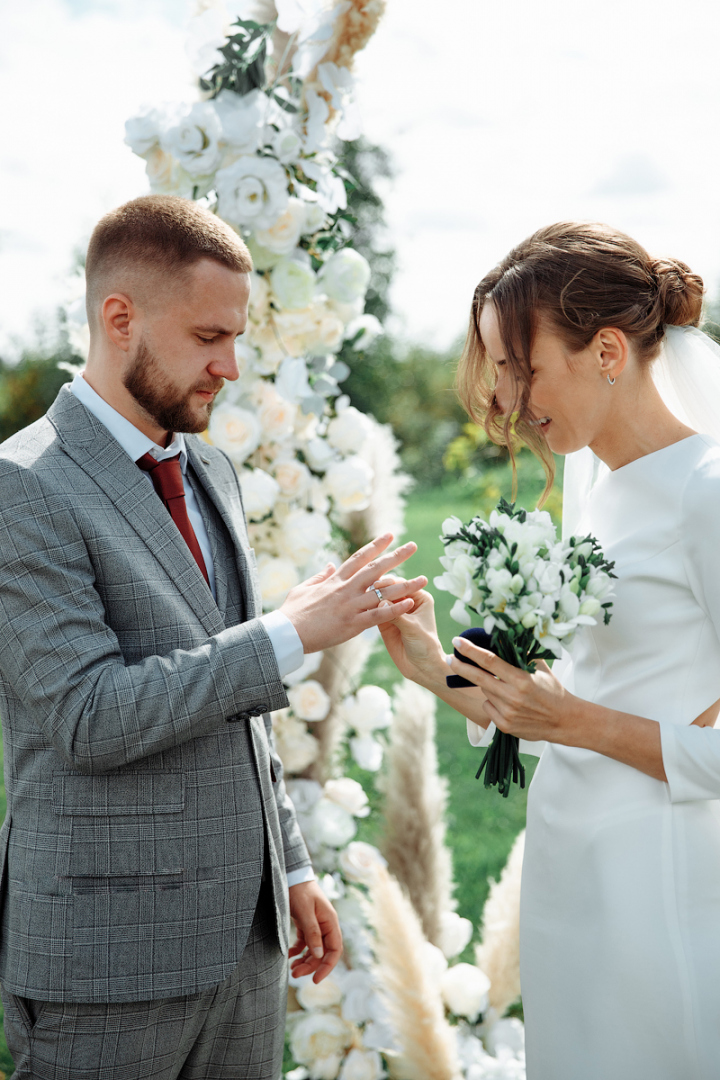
pixel 138 818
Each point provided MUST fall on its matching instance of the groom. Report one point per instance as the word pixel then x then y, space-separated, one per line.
pixel 149 842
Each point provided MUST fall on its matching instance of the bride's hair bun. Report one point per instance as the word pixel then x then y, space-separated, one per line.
pixel 680 293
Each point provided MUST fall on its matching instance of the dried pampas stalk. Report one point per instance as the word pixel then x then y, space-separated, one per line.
pixel 499 953
pixel 353 30
pixel 414 810
pixel 415 1008
pixel 338 674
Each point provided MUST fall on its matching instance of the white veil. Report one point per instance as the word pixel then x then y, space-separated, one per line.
pixel 687 375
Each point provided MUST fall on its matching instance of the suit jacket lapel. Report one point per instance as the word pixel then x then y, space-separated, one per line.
pixel 223 498
pixel 92 447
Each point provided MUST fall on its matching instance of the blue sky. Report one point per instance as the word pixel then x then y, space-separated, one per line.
pixel 500 117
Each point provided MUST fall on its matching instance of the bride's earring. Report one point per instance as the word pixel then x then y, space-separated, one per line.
pixel 611 381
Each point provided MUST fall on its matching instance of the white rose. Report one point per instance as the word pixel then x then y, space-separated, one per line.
pixel 293 283
pixel 194 139
pixel 294 743
pixel 362 1065
pixel 241 118
pixel 142 132
pixel 345 276
pixel 252 192
pixel 455 933
pixel 287 145
pixel 282 237
pixel 367 710
pixel 259 492
pixel 464 989
pixel 264 337
pixel 349 484
pixel 359 862
pixel 348 794
pixel 315 218
pixel 348 430
pixel 276 416
pixel 276 577
pixel 363 331
pixel 329 333
pixel 329 824
pixel 309 701
pixel 318 1036
pixel 348 312
pixel 304 533
pixel 292 378
pixel 360 997
pixel 304 794
pixel 261 257
pixel 236 431
pixel 164 174
pixel 319 454
pixel 323 995
pixel 309 666
pixel 366 752
pixel 293 477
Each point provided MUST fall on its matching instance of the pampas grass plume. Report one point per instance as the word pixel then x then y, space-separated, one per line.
pixel 499 953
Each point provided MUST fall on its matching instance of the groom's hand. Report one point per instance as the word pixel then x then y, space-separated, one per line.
pixel 319 938
pixel 338 604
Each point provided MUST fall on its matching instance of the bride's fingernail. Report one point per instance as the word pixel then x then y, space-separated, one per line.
pixel 449 660
pixel 458 642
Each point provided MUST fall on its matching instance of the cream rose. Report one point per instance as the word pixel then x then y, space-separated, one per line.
pixel 264 337
pixel 464 988
pixel 293 283
pixel 297 330
pixel 283 235
pixel 259 492
pixel 277 578
pixel 319 454
pixel 320 1036
pixel 304 534
pixel 294 743
pixel 309 701
pixel 329 333
pixel 236 431
pixel 293 477
pixel 276 416
pixel 259 297
pixel 345 276
pixel 455 933
pixel 163 172
pixel 349 430
pixel 349 484
pixel 359 862
pixel 362 1065
pixel 366 752
pixel 349 794
pixel 315 218
pixel 324 995
pixel 194 140
pixel 252 192
pixel 367 710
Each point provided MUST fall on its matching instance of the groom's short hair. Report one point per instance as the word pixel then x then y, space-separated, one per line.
pixel 157 235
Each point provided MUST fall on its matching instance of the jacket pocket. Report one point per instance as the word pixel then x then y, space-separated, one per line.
pixel 118 794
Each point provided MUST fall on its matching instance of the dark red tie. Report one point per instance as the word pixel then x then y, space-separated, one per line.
pixel 168 482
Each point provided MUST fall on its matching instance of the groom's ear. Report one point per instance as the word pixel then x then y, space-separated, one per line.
pixel 116 315
pixel 611 350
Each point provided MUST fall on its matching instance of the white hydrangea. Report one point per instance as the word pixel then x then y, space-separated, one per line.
pixel 252 191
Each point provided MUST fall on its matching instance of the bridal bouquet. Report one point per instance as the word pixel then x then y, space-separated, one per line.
pixel 531 592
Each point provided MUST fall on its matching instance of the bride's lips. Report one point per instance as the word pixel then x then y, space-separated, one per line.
pixel 543 423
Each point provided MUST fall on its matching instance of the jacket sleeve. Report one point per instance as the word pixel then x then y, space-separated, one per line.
pixel 691 754
pixel 63 662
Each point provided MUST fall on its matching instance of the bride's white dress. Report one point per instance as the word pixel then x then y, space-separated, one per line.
pixel 620 909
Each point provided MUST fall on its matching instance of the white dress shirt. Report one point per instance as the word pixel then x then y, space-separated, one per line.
pixel 284 638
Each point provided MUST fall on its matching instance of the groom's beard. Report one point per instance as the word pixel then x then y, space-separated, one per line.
pixel 166 403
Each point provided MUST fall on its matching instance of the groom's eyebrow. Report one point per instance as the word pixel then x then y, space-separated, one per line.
pixel 217 330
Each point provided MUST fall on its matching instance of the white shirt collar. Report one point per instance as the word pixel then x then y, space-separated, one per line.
pixel 132 440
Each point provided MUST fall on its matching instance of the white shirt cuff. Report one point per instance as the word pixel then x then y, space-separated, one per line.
pixel 285 641
pixel 296 877
pixel 483 737
pixel 691 758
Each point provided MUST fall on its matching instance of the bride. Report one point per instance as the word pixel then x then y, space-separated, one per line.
pixel 620 909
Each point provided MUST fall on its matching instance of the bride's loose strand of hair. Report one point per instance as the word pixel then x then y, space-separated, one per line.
pixel 579 277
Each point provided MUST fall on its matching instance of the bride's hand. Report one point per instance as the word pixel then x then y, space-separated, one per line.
pixel 413 644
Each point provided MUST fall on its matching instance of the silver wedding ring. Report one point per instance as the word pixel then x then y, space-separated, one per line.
pixel 378 593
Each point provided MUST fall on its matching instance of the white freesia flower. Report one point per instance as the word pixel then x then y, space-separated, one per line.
pixel 304 533
pixel 348 431
pixel 142 132
pixel 242 119
pixel 359 862
pixel 320 1037
pixel 282 237
pixel 348 794
pixel 322 995
pixel 277 577
pixel 259 492
pixel 345 276
pixel 366 752
pixel 194 139
pixel 349 483
pixel 236 431
pixel 464 988
pixel 293 477
pixel 363 331
pixel 455 933
pixel 294 743
pixel 362 1065
pixel 309 701
pixel 319 454
pixel 252 191
pixel 293 283
pixel 367 710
